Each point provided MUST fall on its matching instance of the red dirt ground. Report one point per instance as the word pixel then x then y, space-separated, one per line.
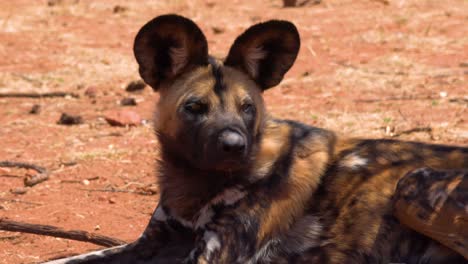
pixel 369 68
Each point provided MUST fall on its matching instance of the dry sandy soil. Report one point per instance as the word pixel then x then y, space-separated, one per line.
pixel 367 68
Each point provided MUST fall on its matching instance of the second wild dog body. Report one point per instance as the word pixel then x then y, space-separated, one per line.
pixel 238 186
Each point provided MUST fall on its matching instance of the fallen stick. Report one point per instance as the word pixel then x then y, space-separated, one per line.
pixel 413 130
pixel 19 201
pixel 409 98
pixel 117 191
pixel 30 180
pixel 78 235
pixel 38 95
pixel 22 165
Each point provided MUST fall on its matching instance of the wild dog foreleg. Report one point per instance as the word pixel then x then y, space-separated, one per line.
pixel 166 239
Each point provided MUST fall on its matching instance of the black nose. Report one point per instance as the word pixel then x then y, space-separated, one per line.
pixel 231 142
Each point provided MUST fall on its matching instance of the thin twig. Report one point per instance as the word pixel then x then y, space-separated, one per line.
pixel 413 130
pixel 410 98
pixel 116 191
pixel 38 95
pixel 43 175
pixel 22 165
pixel 79 235
pixel 19 201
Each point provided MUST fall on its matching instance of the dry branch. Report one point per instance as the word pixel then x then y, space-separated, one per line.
pixel 413 130
pixel 53 231
pixel 19 201
pixel 38 95
pixel 30 180
pixel 112 190
pixel 404 98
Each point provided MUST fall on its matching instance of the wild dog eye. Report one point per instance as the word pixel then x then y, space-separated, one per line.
pixel 195 107
pixel 248 108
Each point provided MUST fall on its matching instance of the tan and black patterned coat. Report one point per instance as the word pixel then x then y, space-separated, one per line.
pixel 238 186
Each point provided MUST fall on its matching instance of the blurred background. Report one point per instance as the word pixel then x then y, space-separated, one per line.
pixel 71 99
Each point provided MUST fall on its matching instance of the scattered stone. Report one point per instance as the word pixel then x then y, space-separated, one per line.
pixel 19 190
pixel 123 118
pixel 97 227
pixel 68 120
pixel 86 182
pixel 62 2
pixel 217 30
pixel 289 3
pixel 112 200
pixel 135 86
pixel 35 109
pixel 119 9
pixel 4 171
pixel 91 92
pixel 128 101
pixel 36 178
pixel 150 189
pixel 54 2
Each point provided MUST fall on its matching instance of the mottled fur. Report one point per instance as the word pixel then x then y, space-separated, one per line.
pixel 238 186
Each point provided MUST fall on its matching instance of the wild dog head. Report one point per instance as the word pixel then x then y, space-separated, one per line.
pixel 211 112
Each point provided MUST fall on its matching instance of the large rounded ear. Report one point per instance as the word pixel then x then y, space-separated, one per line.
pixel 167 46
pixel 265 51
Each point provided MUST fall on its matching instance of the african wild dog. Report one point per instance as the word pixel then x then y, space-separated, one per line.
pixel 238 186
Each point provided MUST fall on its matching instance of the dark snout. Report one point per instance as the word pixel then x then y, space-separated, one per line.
pixel 231 142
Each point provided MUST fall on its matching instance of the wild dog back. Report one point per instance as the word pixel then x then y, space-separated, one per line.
pixel 354 201
pixel 238 186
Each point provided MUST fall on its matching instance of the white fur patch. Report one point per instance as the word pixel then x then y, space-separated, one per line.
pixel 252 59
pixel 178 58
pixel 183 222
pixel 229 196
pixel 265 253
pixel 212 243
pixel 353 161
pixel 159 214
pixel 206 214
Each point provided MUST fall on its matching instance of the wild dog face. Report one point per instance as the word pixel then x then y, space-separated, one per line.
pixel 211 113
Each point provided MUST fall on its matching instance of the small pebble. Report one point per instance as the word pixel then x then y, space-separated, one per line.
pixel 135 86
pixel 85 182
pixel 68 120
pixel 112 200
pixel 123 118
pixel 128 101
pixel 119 9
pixel 91 92
pixel 217 30
pixel 19 190
pixel 35 109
